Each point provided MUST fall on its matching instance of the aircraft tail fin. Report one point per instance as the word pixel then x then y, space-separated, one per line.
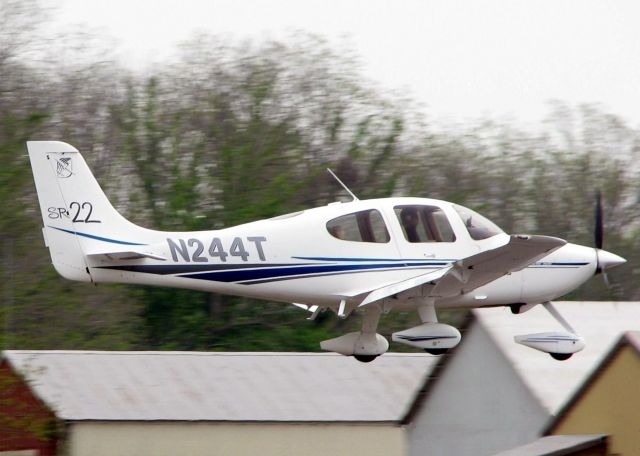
pixel 78 218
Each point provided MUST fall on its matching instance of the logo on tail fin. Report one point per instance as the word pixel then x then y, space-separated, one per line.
pixel 63 167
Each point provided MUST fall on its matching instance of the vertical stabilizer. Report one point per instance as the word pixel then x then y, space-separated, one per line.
pixel 78 218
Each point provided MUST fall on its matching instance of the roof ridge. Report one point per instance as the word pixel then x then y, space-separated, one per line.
pixel 190 353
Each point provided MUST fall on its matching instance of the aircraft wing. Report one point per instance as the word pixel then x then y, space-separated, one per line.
pixel 477 270
pixel 405 285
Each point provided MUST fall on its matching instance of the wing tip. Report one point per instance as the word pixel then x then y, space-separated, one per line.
pixel 539 240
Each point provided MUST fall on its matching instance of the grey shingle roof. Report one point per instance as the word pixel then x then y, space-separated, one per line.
pixel 552 382
pixel 557 445
pixel 91 385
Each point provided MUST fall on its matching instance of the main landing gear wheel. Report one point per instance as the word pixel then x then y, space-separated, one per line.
pixel 436 351
pixel 365 358
pixel 561 356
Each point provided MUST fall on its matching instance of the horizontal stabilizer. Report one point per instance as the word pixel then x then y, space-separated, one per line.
pixel 125 255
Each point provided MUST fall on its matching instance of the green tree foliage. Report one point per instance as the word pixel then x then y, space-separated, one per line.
pixel 232 148
pixel 37 309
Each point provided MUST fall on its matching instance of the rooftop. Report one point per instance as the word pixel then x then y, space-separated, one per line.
pixel 557 445
pixel 213 386
pixel 554 382
pixel 630 339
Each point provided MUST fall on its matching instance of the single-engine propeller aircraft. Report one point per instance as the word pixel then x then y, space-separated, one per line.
pixel 372 256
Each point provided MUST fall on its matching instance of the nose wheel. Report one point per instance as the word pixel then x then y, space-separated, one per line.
pixel 560 345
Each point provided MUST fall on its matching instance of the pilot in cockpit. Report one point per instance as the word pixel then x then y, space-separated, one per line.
pixel 410 219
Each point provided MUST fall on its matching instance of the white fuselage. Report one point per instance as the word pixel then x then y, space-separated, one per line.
pixel 374 255
pixel 295 258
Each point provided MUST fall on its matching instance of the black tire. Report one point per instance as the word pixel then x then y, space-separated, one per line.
pixel 515 308
pixel 561 356
pixel 365 358
pixel 436 351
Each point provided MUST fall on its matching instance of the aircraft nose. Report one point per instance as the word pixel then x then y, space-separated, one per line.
pixel 608 260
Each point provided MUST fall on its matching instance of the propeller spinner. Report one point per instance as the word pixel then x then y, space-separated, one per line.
pixel 605 260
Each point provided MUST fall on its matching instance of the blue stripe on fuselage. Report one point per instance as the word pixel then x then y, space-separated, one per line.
pixel 93 236
pixel 295 272
pixel 262 273
pixel 440 261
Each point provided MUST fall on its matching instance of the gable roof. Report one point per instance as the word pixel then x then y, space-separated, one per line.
pixel 551 381
pixel 213 386
pixel 558 445
pixel 435 373
pixel 629 339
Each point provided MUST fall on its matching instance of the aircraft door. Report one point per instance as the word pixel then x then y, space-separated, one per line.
pixel 424 232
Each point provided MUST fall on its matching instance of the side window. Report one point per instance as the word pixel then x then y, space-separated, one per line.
pixel 424 224
pixel 363 226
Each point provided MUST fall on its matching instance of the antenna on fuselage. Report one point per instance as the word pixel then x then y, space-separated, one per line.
pixel 355 198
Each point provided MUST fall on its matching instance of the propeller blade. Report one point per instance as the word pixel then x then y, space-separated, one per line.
pixel 604 260
pixel 599 229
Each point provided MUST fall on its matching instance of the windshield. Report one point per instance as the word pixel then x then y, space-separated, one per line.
pixel 479 227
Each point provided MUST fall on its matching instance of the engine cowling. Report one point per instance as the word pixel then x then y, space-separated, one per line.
pixel 432 337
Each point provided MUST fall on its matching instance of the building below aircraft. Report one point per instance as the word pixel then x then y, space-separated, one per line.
pixel 606 401
pixel 489 396
pixel 204 403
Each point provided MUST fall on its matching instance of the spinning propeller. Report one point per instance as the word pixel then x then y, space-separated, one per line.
pixel 604 260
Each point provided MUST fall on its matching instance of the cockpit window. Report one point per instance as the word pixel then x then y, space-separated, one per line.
pixel 479 227
pixel 363 226
pixel 424 224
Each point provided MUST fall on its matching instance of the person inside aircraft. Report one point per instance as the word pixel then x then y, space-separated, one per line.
pixel 410 219
pixel 338 232
pixel 421 223
pixel 361 226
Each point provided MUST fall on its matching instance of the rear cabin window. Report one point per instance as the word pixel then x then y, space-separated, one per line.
pixel 424 224
pixel 363 226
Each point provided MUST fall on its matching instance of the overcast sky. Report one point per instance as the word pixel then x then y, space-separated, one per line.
pixel 459 58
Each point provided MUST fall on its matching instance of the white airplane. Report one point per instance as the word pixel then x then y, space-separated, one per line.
pixel 372 256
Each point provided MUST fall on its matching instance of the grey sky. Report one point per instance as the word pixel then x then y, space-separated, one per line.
pixel 460 58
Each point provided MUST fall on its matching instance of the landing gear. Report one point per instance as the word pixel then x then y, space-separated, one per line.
pixel 364 345
pixel 521 307
pixel 559 344
pixel 365 358
pixel 433 337
pixel 436 351
pixel 561 356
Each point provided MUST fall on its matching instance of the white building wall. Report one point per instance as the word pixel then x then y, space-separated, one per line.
pixel 478 406
pixel 210 439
